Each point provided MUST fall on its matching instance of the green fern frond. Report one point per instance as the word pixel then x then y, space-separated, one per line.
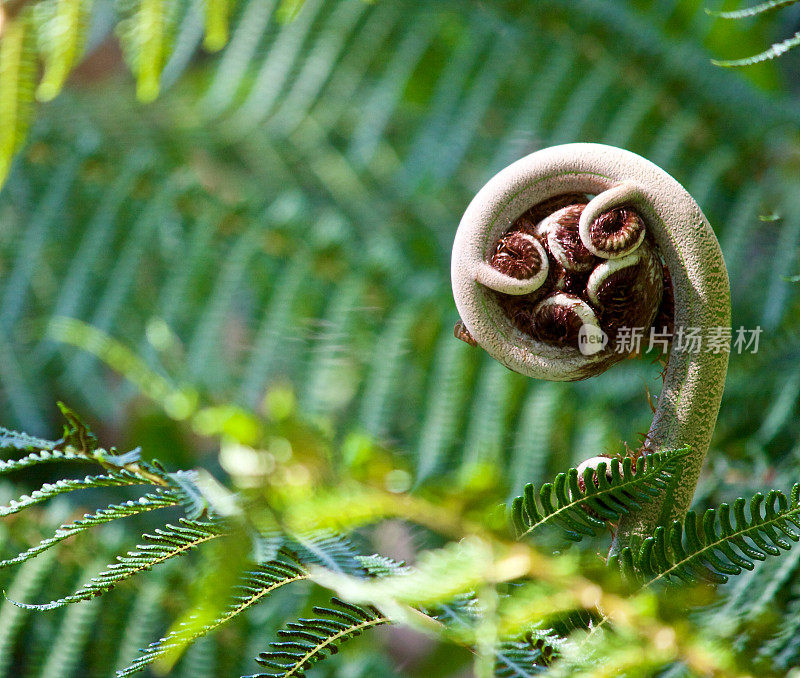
pixel 42 457
pixel 306 641
pixel 217 16
pixel 48 490
pixel 146 37
pixel 17 82
pixel 256 584
pixel 149 502
pixel 27 581
pixel 712 548
pixel 582 512
pixel 768 6
pixel 527 656
pixel 22 441
pixel 62 30
pixel 326 549
pixel 776 50
pixel 166 543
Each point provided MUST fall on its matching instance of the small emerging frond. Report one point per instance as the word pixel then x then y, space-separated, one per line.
pixel 256 584
pixel 306 641
pixel 148 502
pixel 173 540
pixel 768 6
pixel 711 548
pixel 776 50
pixel 48 490
pixel 581 511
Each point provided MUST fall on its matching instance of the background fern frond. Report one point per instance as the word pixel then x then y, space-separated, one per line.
pixel 44 457
pixel 776 50
pixel 255 585
pixel 529 655
pixel 164 544
pixel 713 548
pixel 148 502
pixel 305 642
pixel 49 490
pixel 580 512
pixel 760 8
pixel 17 83
pixel 146 34
pixel 63 25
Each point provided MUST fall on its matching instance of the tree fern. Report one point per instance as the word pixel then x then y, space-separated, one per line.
pixel 713 548
pixel 580 512
pixel 305 642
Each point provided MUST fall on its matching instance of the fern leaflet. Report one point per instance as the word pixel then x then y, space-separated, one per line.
pixel 17 76
pixel 606 495
pixel 173 540
pixel 761 8
pixel 148 502
pixel 305 641
pixel 703 551
pixel 41 457
pixel 49 490
pixel 62 31
pixel 776 50
pixel 526 656
pixel 255 585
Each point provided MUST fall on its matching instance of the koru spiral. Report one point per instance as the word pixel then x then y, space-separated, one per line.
pixel 566 254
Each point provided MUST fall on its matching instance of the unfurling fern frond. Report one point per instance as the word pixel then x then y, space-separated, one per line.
pixel 307 640
pixel 607 493
pixel 173 540
pixel 149 502
pixel 256 584
pixel 712 548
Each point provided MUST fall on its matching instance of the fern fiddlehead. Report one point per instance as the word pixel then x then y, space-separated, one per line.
pixel 565 255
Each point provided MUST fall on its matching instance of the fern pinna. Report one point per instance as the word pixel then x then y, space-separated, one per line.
pixel 713 548
pixel 580 505
pixel 305 642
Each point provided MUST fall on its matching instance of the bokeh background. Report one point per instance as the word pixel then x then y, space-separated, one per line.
pixel 274 231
